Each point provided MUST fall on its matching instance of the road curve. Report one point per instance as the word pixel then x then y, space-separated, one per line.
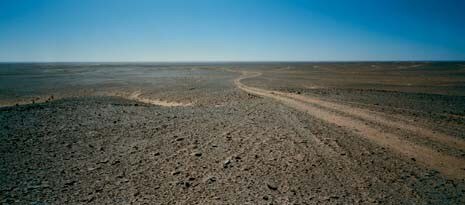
pixel 350 118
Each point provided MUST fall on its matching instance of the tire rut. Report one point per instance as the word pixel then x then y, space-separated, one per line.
pixel 450 166
pixel 378 118
pixel 350 168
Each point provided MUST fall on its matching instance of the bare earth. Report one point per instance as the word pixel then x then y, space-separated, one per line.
pixel 261 133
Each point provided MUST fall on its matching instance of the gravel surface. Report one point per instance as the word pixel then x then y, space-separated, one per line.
pixel 235 146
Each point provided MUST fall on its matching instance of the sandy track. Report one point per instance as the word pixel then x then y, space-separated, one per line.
pixel 450 166
pixel 137 96
pixel 378 118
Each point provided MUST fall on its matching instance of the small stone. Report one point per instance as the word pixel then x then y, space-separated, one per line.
pixel 272 186
pixel 226 163
pixel 209 179
pixel 175 172
pixel 197 154
pixel 90 199
pixel 70 182
pixel 137 193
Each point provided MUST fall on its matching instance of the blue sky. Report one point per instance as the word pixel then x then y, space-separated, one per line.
pixel 231 30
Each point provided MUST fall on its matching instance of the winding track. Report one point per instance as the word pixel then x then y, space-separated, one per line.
pixel 350 118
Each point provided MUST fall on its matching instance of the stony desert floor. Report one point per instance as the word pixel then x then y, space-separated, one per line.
pixel 245 133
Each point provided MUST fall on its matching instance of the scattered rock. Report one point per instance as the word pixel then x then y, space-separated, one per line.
pixel 137 193
pixel 226 163
pixel 209 179
pixel 104 161
pixel 272 186
pixel 184 184
pixel 115 162
pixel 70 182
pixel 197 154
pixel 89 199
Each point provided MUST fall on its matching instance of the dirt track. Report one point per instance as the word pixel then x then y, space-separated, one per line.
pixel 354 119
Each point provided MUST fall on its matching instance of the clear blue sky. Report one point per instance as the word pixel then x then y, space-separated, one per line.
pixel 231 30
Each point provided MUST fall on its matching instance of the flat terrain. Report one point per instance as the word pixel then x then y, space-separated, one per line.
pixel 244 133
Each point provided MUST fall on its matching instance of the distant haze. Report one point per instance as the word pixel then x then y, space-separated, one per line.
pixel 231 30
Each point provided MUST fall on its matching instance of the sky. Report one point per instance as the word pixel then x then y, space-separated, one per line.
pixel 231 30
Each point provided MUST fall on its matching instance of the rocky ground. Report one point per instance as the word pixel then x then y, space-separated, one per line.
pixel 237 146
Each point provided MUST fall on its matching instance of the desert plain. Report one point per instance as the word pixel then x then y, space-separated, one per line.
pixel 232 133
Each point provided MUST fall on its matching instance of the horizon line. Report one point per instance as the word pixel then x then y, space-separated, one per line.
pixel 241 61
